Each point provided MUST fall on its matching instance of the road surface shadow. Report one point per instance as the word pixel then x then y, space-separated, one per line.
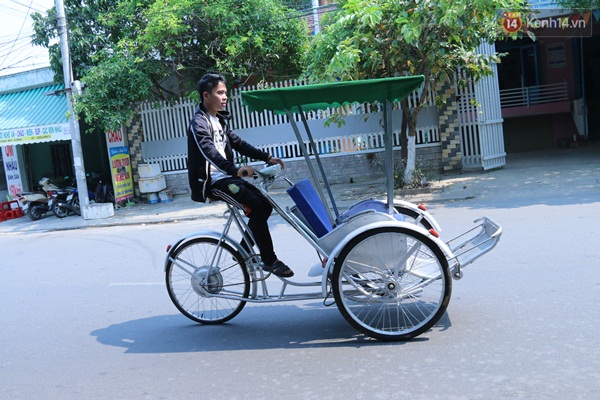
pixel 260 327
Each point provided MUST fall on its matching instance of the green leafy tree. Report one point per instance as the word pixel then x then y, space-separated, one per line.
pixel 579 5
pixel 87 34
pixel 129 50
pixel 298 4
pixel 108 105
pixel 236 37
pixel 380 38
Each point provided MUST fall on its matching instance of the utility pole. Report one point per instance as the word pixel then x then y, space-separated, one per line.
pixel 87 212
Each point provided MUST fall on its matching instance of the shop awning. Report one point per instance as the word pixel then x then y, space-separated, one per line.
pixel 34 116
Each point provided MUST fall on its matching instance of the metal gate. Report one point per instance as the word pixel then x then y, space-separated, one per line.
pixel 480 119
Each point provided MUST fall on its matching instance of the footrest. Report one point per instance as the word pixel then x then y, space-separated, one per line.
pixel 477 241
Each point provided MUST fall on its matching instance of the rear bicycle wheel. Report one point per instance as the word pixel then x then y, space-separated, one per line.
pixel 207 291
pixel 391 283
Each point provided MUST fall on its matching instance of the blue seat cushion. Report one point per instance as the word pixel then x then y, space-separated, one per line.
pixel 311 206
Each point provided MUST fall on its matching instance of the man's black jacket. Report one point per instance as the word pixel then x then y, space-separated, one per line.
pixel 202 151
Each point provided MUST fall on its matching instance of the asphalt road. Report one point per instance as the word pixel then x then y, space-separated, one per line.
pixel 85 314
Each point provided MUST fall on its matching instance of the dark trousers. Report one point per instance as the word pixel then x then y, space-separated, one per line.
pixel 257 208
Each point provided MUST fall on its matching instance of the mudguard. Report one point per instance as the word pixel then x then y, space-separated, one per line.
pixel 414 207
pixel 208 234
pixel 381 206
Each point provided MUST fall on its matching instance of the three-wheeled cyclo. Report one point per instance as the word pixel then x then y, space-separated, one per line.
pixel 389 272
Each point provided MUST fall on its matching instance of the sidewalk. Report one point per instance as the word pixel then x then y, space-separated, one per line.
pixel 573 171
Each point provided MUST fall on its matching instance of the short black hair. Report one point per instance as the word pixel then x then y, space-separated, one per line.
pixel 208 82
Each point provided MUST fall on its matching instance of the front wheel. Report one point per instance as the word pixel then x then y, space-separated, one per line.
pixel 60 211
pixel 391 283
pixel 207 280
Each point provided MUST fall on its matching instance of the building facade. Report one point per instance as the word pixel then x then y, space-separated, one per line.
pixel 549 86
pixel 35 138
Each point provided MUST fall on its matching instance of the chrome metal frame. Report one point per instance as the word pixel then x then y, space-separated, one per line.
pixel 470 245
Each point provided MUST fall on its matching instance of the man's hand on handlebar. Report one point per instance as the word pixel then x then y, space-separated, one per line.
pixel 245 171
pixel 275 160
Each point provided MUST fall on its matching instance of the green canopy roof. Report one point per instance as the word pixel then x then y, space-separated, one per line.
pixel 326 95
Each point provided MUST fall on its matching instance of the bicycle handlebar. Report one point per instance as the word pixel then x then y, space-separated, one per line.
pixel 271 170
pixel 267 174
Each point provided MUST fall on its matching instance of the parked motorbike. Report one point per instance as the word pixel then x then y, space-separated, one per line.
pixel 34 204
pixel 37 204
pixel 66 202
pixel 101 190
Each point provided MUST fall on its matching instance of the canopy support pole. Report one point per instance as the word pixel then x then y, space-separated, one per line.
pixel 319 163
pixel 389 154
pixel 313 173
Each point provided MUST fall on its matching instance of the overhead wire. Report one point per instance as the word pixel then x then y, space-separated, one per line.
pixel 17 48
pixel 18 51
pixel 31 6
pixel 18 34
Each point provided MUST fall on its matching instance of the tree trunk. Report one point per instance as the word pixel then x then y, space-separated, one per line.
pixel 411 136
pixel 410 160
pixel 411 148
pixel 404 131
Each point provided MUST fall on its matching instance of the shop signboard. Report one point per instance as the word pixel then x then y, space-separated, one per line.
pixel 37 134
pixel 120 165
pixel 12 171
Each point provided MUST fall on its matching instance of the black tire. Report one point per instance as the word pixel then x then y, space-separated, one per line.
pixel 76 206
pixel 189 265
pixel 60 211
pixel 392 283
pixel 98 197
pixel 110 196
pixel 413 217
pixel 34 211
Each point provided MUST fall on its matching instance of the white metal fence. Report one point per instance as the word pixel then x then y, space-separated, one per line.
pixel 164 122
pixel 165 126
pixel 242 118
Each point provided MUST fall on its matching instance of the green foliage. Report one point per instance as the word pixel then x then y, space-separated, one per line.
pixel 336 118
pixel 236 37
pixel 142 49
pixel 298 4
pixel 106 104
pixel 381 38
pixel 378 38
pixel 87 34
pixel 579 5
pixel 421 176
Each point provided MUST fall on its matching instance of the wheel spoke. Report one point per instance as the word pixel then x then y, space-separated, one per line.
pixel 178 262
